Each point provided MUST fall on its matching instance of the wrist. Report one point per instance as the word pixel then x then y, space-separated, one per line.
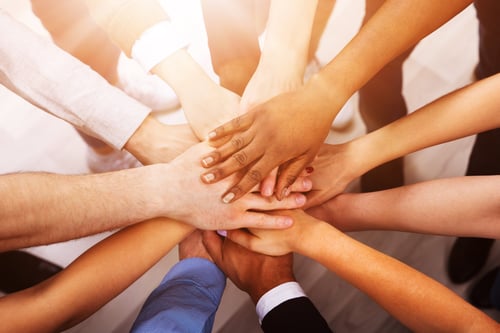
pixel 265 285
pixel 283 64
pixel 142 142
pixel 369 151
pixel 310 243
pixel 159 180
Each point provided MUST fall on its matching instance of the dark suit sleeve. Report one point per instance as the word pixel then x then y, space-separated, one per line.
pixel 295 315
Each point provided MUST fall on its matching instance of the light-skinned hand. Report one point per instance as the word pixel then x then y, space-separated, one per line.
pixel 199 205
pixel 275 242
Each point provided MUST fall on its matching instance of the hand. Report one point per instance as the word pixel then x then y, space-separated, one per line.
pixel 253 273
pixel 266 83
pixel 211 107
pixel 275 242
pixel 196 203
pixel 192 247
pixel 154 142
pixel 334 168
pixel 281 132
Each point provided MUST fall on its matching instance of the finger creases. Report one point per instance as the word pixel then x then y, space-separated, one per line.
pixel 237 124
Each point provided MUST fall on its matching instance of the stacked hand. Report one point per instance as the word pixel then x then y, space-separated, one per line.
pixel 280 132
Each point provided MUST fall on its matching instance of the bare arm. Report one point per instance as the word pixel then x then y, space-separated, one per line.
pixel 461 206
pixel 392 284
pixel 292 140
pixel 43 208
pixel 205 103
pixel 394 28
pixel 77 292
pixel 284 53
pixel 470 110
pixel 464 112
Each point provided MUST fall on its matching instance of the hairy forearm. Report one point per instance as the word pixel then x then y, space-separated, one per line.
pixel 39 208
pixel 444 206
pixel 107 269
pixel 434 307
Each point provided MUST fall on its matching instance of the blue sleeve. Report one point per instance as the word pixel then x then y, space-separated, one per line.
pixel 185 301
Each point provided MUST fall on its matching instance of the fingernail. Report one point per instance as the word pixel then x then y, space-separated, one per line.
pixel 307 184
pixel 222 233
pixel 212 135
pixel 309 169
pixel 300 200
pixel 208 177
pixel 286 222
pixel 207 161
pixel 228 197
pixel 268 192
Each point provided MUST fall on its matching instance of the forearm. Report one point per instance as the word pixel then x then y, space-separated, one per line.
pixel 397 26
pixel 444 206
pixel 38 208
pixel 188 79
pixel 464 112
pixel 393 285
pixel 126 20
pixel 119 260
pixel 58 83
pixel 288 35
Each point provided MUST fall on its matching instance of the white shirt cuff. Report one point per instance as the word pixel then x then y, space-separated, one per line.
pixel 276 296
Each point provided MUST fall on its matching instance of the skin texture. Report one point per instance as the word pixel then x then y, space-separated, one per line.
pixel 454 203
pixel 448 118
pixel 251 272
pixel 110 262
pixel 293 29
pixel 266 138
pixel 434 307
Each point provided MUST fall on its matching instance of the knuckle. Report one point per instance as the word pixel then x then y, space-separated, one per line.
pixel 241 158
pixel 237 142
pixel 255 176
pixel 236 190
pixel 218 173
pixel 236 122
pixel 290 179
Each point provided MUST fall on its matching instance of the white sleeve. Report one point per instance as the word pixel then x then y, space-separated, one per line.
pixel 53 80
pixel 276 296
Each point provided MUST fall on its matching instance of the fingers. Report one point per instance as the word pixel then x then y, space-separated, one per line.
pixel 233 147
pixel 288 174
pixel 267 185
pixel 249 180
pixel 258 220
pixel 302 184
pixel 315 198
pixel 237 124
pixel 256 202
pixel 242 238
